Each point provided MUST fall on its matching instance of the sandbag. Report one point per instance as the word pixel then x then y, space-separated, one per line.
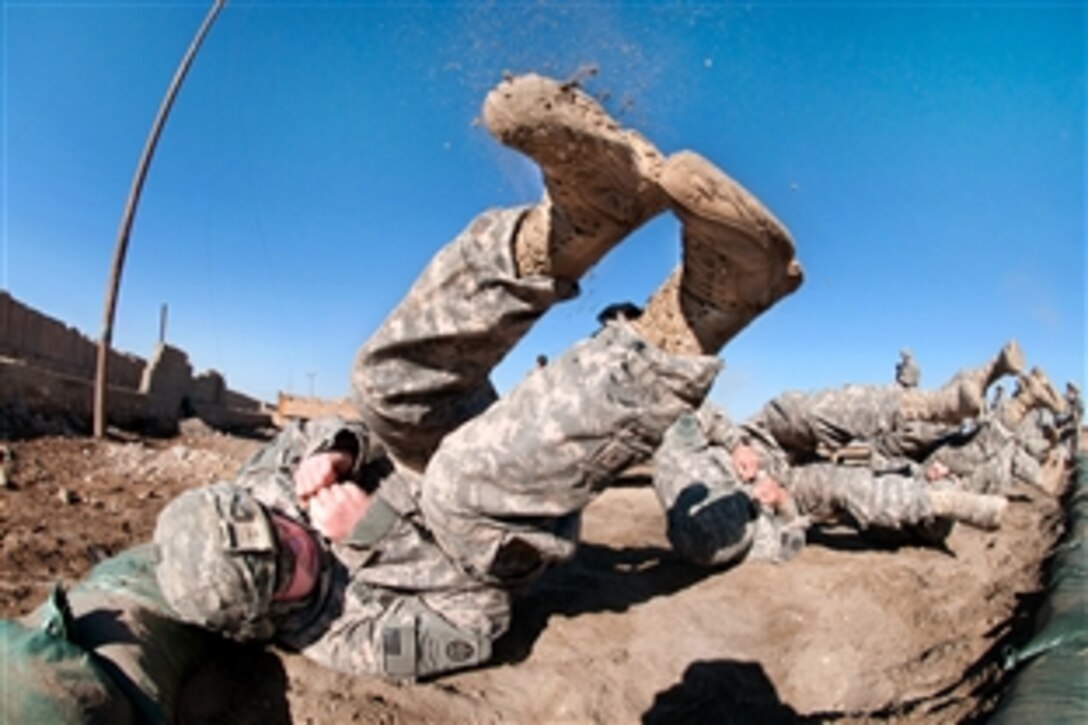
pixel 118 646
pixel 46 678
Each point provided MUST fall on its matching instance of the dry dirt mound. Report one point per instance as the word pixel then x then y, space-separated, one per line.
pixel 625 632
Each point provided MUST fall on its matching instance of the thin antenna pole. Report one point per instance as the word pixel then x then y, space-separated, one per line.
pixel 130 211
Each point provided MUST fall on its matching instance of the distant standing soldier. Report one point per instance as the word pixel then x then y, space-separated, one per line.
pixel 1074 401
pixel 997 400
pixel 907 372
pixel 1069 422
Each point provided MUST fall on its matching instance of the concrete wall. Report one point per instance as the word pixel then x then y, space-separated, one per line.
pixel 49 367
pixel 27 334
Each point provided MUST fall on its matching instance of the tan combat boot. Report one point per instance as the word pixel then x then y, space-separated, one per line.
pixel 964 396
pixel 1034 390
pixel 738 260
pixel 600 179
pixel 1018 406
pixel 1009 361
pixel 982 511
pixel 1045 392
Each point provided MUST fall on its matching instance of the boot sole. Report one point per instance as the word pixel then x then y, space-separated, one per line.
pixel 736 253
pixel 584 153
pixel 1012 358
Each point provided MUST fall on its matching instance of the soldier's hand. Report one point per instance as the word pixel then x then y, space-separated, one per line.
pixel 746 461
pixel 335 509
pixel 320 471
pixel 936 471
pixel 770 493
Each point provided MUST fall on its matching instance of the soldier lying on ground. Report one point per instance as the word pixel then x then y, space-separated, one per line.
pixel 852 456
pixel 1010 444
pixel 948 427
pixel 897 422
pixel 411 574
pixel 731 493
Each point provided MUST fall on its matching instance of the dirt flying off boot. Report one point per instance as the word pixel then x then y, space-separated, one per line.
pixel 738 260
pixel 600 179
pixel 964 396
pixel 982 511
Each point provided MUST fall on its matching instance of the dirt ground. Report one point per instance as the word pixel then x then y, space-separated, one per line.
pixel 847 631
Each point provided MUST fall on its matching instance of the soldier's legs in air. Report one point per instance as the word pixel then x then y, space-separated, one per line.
pixel 1034 390
pixel 500 489
pixel 810 425
pixel 964 396
pixel 425 371
pixel 897 421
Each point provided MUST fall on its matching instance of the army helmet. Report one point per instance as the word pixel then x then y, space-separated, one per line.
pixel 218 556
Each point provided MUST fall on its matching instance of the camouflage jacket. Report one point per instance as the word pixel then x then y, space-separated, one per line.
pixel 387 566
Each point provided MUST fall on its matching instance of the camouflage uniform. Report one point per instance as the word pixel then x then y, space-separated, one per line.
pixel 809 426
pixel 907 372
pixel 987 459
pixel 892 499
pixel 1069 423
pixel 713 521
pixel 474 496
pixel 1010 445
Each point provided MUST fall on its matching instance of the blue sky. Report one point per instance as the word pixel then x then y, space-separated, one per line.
pixel 929 159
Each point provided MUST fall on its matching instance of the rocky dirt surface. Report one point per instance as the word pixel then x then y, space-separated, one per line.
pixel 847 631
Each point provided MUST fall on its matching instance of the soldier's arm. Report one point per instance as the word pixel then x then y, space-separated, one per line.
pixel 269 474
pixel 404 637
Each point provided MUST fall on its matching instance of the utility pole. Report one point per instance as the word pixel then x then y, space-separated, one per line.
pixel 162 323
pixel 125 228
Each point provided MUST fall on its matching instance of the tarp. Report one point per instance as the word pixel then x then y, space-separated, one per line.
pixel 109 650
pixel 1051 681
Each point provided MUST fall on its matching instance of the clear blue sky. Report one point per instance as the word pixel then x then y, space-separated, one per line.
pixel 928 157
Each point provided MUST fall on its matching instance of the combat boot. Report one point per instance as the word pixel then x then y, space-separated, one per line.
pixel 1033 391
pixel 738 260
pixel 973 384
pixel 1025 399
pixel 600 179
pixel 1044 391
pixel 1009 361
pixel 982 511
